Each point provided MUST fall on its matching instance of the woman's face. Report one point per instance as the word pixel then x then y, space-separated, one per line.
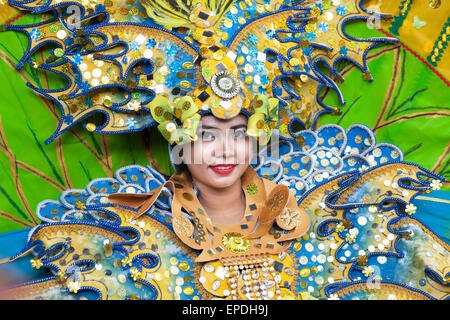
pixel 222 152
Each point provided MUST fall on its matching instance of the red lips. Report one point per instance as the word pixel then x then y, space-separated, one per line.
pixel 223 168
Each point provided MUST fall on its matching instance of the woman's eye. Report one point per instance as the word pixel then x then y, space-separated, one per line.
pixel 240 134
pixel 206 135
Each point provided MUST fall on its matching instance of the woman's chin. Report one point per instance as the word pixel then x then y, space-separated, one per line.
pixel 223 180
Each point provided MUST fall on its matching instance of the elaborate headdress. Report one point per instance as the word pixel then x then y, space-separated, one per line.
pixel 165 63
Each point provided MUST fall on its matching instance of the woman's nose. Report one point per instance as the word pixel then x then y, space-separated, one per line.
pixel 228 146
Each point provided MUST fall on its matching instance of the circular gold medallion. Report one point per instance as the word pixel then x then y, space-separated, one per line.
pixel 289 219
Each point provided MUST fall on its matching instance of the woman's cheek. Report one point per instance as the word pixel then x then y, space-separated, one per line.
pixel 206 153
pixel 198 154
pixel 243 151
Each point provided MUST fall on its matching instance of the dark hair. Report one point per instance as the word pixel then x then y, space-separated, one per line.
pixel 182 167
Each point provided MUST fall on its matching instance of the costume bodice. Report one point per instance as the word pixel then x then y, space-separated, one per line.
pixel 271 217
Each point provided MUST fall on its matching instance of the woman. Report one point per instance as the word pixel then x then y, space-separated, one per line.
pixel 221 191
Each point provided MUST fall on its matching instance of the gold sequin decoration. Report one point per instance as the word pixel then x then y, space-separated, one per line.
pixel 183 226
pixel 235 242
pixel 434 4
pixel 188 196
pixel 188 291
pixel 184 266
pixel 276 201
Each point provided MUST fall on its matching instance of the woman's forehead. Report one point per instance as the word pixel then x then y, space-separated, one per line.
pixel 214 122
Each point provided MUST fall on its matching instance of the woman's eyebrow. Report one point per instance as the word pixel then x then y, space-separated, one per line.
pixel 238 126
pixel 208 127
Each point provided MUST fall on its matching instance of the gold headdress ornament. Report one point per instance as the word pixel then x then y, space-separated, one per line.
pixel 165 63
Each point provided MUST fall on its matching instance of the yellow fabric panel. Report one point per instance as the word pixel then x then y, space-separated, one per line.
pixel 422 27
pixel 7 12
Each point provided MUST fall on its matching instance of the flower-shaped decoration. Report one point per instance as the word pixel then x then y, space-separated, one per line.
pixel 61 276
pixel 36 263
pixel 362 260
pixel 234 242
pixel 340 227
pixel 436 184
pixel 178 123
pixel 264 119
pixel 410 209
pixel 368 271
pixel 350 238
pixel 35 34
pixel 135 273
pixel 347 223
pixel 80 205
pixel 334 296
pixel 73 285
pixel 126 261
